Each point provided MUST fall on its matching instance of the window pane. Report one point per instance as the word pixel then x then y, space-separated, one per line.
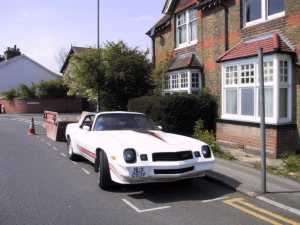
pixel 247 101
pixel 283 103
pixel 247 74
pixel 193 14
pixel 268 102
pixel 253 10
pixel 184 80
pixel 231 101
pixel 268 71
pixel 275 6
pixel 193 31
pixel 195 80
pixel 182 34
pixel 231 75
pixel 283 71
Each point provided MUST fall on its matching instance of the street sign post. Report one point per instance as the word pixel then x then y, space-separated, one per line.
pixel 262 120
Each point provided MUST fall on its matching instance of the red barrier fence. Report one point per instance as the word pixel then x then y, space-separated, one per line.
pixel 55 125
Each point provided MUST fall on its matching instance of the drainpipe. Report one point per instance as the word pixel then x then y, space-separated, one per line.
pixel 226 36
pixel 153 51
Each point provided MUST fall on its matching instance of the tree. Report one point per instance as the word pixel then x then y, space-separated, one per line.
pixel 126 74
pixel 12 52
pixel 86 74
pixel 116 71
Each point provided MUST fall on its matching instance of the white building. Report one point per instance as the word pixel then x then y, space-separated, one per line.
pixel 23 70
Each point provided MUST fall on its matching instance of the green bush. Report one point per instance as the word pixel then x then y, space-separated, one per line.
pixel 177 113
pixel 10 95
pixel 25 92
pixel 209 138
pixel 292 163
pixel 51 89
pixel 42 90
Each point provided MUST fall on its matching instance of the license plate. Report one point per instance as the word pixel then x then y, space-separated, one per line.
pixel 138 172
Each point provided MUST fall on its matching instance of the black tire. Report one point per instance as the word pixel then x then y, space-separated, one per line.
pixel 72 156
pixel 105 181
pixel 97 161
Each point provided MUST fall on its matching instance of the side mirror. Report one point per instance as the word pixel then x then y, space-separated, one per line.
pixel 86 128
pixel 160 127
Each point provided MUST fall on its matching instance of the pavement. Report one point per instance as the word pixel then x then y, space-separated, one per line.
pixel 40 185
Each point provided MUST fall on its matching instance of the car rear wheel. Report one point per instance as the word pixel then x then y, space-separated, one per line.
pixel 105 181
pixel 72 156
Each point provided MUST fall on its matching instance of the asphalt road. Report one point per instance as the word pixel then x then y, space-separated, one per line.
pixel 39 185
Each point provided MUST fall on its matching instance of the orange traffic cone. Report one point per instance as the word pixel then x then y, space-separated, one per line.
pixel 31 129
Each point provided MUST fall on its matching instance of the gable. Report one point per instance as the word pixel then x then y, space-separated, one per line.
pixel 23 70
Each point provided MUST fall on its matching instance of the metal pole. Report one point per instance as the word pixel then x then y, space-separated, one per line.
pixel 262 120
pixel 98 47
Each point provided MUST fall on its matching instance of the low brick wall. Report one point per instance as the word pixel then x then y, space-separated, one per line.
pixel 280 139
pixel 63 105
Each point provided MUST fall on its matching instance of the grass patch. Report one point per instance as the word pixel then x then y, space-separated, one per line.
pixel 289 169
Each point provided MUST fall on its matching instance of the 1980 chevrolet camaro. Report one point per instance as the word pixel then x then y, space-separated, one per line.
pixel 127 148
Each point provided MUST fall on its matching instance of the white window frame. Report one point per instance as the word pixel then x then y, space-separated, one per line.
pixel 189 89
pixel 188 23
pixel 264 14
pixel 275 84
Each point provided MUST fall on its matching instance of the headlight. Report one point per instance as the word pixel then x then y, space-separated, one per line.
pixel 129 155
pixel 206 151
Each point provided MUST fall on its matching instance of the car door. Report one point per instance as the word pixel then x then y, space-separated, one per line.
pixel 84 138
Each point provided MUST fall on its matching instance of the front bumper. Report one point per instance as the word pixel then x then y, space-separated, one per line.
pixel 159 172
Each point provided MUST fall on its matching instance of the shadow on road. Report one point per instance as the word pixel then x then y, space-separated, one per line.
pixel 186 190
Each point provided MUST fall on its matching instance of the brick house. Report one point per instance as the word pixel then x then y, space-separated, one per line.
pixel 214 43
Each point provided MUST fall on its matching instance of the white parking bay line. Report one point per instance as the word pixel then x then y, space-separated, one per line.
pixel 143 210
pixel 55 149
pixel 213 200
pixel 86 171
pixel 48 144
pixel 63 154
pixel 75 163
pixel 279 205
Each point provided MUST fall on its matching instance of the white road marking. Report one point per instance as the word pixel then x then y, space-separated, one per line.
pixel 86 171
pixel 143 210
pixel 213 200
pixel 55 149
pixel 75 163
pixel 48 144
pixel 63 154
pixel 279 205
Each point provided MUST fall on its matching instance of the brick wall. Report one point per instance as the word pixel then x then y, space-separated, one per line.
pixel 279 139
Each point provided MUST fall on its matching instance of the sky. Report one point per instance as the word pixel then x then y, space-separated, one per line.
pixel 43 29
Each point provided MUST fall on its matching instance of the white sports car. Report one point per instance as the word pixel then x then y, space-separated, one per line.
pixel 127 148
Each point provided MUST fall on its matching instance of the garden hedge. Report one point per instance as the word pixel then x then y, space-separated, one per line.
pixel 177 113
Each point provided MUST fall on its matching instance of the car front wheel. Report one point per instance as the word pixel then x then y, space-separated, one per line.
pixel 105 181
pixel 71 154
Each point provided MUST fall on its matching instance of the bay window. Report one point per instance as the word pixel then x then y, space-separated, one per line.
pixel 186 28
pixel 257 11
pixel 240 89
pixel 182 81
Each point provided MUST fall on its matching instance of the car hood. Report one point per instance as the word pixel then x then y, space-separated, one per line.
pixel 153 141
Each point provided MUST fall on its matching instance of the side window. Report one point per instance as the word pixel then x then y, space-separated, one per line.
pixel 88 121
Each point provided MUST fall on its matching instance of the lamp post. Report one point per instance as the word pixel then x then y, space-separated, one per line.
pixel 98 47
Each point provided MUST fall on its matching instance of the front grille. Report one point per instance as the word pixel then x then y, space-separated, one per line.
pixel 174 171
pixel 172 156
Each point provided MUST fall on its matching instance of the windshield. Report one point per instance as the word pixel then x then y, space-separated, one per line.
pixel 123 122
